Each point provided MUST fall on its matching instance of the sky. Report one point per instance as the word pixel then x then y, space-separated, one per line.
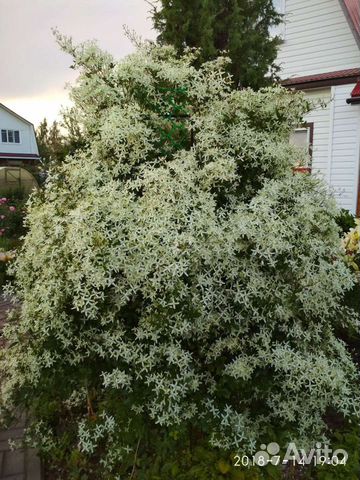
pixel 33 71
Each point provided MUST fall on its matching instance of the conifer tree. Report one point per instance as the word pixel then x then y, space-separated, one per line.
pixel 240 27
pixel 42 138
pixel 59 140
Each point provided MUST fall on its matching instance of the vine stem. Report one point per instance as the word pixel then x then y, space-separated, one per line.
pixel 135 458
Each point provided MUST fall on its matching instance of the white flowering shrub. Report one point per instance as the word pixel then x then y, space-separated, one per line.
pixel 177 280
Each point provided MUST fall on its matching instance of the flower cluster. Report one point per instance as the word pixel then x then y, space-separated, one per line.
pixel 3 201
pixel 5 216
pixel 351 246
pixel 178 278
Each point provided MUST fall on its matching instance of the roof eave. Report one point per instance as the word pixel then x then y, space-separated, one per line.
pixel 17 156
pixel 341 77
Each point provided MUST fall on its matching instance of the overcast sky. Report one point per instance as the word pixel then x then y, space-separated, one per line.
pixel 33 71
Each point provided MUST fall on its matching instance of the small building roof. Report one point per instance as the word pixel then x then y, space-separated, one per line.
pixel 356 91
pixel 355 94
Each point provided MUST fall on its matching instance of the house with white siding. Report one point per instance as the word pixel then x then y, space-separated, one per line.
pixel 320 55
pixel 19 154
pixel 18 145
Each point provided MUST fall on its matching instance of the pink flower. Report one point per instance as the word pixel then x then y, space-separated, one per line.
pixel 3 200
pixel 2 217
pixel 12 209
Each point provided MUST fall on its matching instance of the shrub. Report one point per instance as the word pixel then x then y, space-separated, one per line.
pixel 6 254
pixel 345 220
pixel 351 246
pixel 351 252
pixel 180 286
pixel 348 438
pixel 12 212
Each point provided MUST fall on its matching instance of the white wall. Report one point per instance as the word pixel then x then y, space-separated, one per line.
pixel 27 143
pixel 321 119
pixel 343 172
pixel 336 149
pixel 318 39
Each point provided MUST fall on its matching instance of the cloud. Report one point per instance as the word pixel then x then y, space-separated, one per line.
pixel 33 65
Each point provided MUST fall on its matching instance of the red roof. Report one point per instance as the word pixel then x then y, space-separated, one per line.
pixel 348 76
pixel 356 92
pixel 353 9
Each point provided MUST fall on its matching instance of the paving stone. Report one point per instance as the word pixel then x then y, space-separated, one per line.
pixel 33 465
pixel 13 433
pixel 13 463
pixel 21 476
pixel 4 445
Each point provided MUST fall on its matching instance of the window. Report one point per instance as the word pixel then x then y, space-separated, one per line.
pixel 10 136
pixel 279 30
pixel 303 137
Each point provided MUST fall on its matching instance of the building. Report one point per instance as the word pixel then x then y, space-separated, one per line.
pixel 19 154
pixel 320 55
pixel 18 145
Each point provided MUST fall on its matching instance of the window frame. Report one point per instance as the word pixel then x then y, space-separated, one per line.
pixel 309 127
pixel 13 136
